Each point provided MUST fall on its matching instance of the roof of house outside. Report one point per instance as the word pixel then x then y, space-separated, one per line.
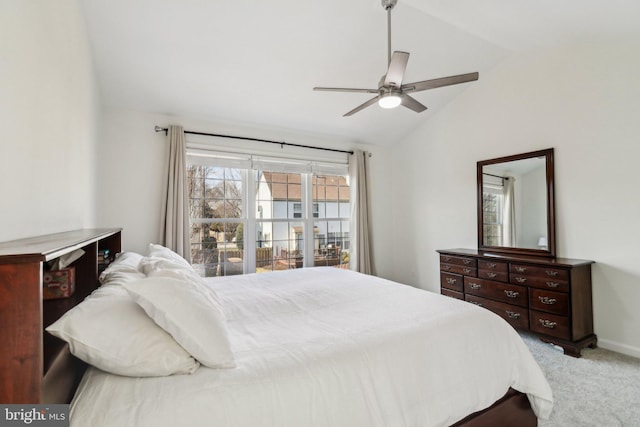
pixel 285 186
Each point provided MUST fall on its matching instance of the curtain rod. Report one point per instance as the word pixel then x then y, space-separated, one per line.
pixel 495 176
pixel 280 143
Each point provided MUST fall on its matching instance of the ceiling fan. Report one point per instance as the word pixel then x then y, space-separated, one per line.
pixel 391 92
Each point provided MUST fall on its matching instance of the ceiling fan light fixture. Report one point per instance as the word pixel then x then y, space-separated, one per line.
pixel 389 100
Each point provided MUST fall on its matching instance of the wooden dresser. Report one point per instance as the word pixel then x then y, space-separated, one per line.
pixel 550 297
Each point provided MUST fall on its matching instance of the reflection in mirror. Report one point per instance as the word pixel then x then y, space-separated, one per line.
pixel 516 209
pixel 507 189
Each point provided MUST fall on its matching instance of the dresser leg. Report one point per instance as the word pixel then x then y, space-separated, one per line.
pixel 573 352
pixel 571 348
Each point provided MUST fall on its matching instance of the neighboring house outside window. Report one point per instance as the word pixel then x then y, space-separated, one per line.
pixel 297 210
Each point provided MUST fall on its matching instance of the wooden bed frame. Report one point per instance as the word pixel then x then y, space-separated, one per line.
pixel 38 368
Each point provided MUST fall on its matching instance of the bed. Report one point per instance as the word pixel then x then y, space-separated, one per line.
pixel 325 347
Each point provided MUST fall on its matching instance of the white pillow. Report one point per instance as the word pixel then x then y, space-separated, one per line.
pixel 150 265
pixel 125 267
pixel 158 251
pixel 188 311
pixel 111 332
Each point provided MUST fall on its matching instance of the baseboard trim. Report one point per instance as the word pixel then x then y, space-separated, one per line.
pixel 619 348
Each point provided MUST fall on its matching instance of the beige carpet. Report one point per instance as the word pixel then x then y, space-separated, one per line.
pixel 600 389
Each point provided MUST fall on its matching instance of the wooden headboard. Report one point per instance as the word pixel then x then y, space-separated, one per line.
pixel 36 367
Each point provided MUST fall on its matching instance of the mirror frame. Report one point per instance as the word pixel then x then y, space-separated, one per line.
pixel 551 235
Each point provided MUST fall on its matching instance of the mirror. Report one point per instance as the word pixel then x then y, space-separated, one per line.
pixel 516 212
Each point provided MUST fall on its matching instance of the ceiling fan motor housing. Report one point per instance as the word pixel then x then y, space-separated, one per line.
pixel 389 4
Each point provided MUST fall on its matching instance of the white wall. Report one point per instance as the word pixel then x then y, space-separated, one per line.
pixel 581 100
pixel 49 113
pixel 131 171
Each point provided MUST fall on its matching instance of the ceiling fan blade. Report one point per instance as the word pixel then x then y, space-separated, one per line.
pixel 412 104
pixel 443 81
pixel 396 70
pixel 345 89
pixel 362 106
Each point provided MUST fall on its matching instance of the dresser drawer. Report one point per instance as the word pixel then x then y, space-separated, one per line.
pixel 459 269
pixel 498 291
pixel 451 281
pixel 458 260
pixel 452 294
pixel 550 324
pixel 539 282
pixel 549 301
pixel 501 267
pixel 545 272
pixel 518 317
pixel 493 275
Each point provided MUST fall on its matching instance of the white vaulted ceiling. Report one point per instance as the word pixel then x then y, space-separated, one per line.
pixel 255 62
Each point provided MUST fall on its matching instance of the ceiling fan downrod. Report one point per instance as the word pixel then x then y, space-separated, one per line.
pixel 388 5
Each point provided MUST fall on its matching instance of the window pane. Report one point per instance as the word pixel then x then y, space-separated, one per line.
pixel 214 172
pixel 279 246
pixel 196 208
pixel 216 194
pixel 233 208
pixel 332 195
pixel 231 250
pixel 264 209
pixel 283 191
pixel 331 244
pixel 233 189
pixel 204 252
pixel 214 188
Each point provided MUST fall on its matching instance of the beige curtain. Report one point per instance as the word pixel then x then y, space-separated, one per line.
pixel 174 233
pixel 361 257
pixel 509 213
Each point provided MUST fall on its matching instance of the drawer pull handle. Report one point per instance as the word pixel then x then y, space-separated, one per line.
pixel 552 273
pixel 467 261
pixel 492 274
pixel 492 265
pixel 553 284
pixel 521 269
pixel 521 279
pixel 548 323
pixel 547 300
pixel 446 267
pixel 475 285
pixel 451 281
pixel 513 314
pixel 475 303
pixel 466 270
pixel 511 294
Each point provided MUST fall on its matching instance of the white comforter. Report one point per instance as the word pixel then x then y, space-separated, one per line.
pixel 329 347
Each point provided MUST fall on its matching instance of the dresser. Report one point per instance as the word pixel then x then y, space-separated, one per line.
pixel 550 297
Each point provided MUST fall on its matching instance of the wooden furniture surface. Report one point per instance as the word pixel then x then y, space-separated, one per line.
pixel 36 367
pixel 551 297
